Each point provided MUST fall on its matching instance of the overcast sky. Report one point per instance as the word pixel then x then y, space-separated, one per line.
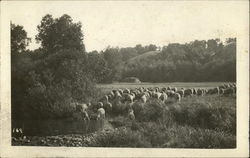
pixel 126 23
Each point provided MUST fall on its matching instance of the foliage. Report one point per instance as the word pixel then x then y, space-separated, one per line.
pixel 206 112
pixel 19 39
pixel 60 33
pixel 44 85
pixel 206 60
pixel 120 137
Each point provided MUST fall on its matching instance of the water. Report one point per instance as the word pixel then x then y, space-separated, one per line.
pixel 56 127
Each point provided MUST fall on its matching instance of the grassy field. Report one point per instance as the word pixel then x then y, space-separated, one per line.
pixel 196 122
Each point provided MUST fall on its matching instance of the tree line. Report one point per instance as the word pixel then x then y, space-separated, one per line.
pixel 45 81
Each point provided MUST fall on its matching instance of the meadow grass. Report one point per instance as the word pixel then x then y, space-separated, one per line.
pixel 196 122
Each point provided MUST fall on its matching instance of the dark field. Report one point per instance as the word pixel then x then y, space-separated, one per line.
pixel 196 122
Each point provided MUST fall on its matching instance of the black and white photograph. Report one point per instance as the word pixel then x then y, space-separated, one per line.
pixel 125 75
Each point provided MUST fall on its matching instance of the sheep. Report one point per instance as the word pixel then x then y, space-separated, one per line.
pixel 158 89
pixel 126 90
pixel 81 107
pixel 216 90
pixel 164 89
pixel 228 91
pixel 200 92
pixel 118 94
pixel 221 91
pixel 143 98
pixel 108 107
pixel 131 114
pixel 174 89
pixel 100 111
pixel 213 90
pixel 181 92
pixel 120 91
pixel 188 92
pixel 163 97
pixel 170 93
pixel 194 91
pixel 157 95
pixel 177 96
pixel 128 97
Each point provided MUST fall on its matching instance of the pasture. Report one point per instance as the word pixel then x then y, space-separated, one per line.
pixel 207 121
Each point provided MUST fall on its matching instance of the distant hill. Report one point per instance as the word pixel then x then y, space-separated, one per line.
pixel 142 56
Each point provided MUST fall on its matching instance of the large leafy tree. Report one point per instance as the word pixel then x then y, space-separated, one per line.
pixel 19 39
pixel 60 33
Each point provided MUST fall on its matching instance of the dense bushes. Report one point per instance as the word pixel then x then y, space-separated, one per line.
pixel 50 85
pixel 120 137
pixel 219 114
pixel 209 112
pixel 45 82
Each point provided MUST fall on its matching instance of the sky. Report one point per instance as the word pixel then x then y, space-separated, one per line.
pixel 127 23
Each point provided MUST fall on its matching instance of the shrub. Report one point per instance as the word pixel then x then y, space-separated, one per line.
pixel 206 113
pixel 188 137
pixel 120 137
pixel 151 111
pixel 51 85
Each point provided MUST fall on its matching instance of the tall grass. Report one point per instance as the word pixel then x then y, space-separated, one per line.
pixel 195 122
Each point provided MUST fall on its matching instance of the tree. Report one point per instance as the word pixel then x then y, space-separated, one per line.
pixel 60 33
pixel 19 39
pixel 114 60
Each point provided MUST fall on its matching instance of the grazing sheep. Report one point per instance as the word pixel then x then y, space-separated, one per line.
pixel 157 89
pixel 213 90
pixel 131 114
pixel 216 90
pixel 200 92
pixel 188 92
pixel 164 89
pixel 163 97
pixel 110 97
pixel 112 93
pixel 177 96
pixel 128 97
pixel 126 90
pixel 100 104
pixel 181 92
pixel 170 93
pixel 143 98
pixel 108 107
pixel 174 89
pixel 118 94
pixel 228 91
pixel 221 91
pixel 120 91
pixel 194 91
pixel 86 115
pixel 157 95
pixel 104 98
pixel 100 111
pixel 81 107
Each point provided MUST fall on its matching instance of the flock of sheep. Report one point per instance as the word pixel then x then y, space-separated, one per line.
pixel 129 96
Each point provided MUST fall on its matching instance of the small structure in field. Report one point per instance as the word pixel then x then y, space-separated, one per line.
pixel 131 80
